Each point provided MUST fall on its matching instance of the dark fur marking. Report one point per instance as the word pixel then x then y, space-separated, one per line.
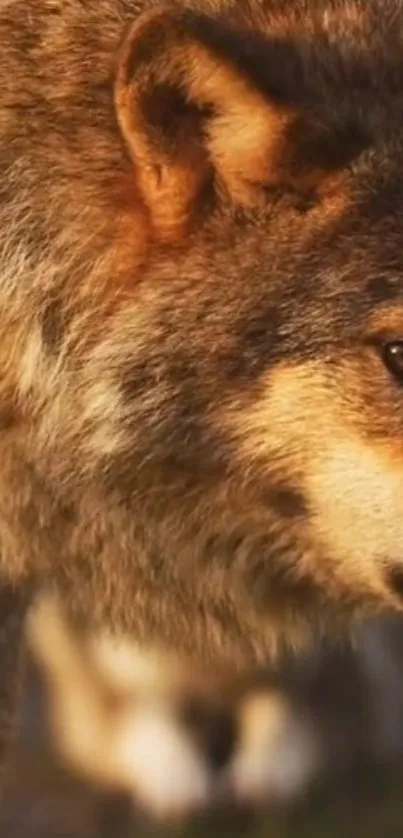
pixel 287 502
pixel 258 334
pixel 213 728
pixel 8 417
pixel 381 289
pixel 394 577
pixel 53 326
pixel 137 381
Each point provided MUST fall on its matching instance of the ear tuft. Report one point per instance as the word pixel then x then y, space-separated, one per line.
pixel 191 112
pixel 187 113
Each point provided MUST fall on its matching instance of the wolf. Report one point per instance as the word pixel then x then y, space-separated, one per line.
pixel 201 354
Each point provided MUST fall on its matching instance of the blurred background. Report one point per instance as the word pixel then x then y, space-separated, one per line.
pixel 311 747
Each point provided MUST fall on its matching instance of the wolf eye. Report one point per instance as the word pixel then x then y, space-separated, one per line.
pixel 393 358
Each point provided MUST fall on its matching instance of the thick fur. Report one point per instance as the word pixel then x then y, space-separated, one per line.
pixel 201 239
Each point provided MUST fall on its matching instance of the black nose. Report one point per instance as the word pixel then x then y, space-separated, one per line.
pixel 213 728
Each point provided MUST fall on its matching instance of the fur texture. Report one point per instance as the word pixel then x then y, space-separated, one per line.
pixel 200 262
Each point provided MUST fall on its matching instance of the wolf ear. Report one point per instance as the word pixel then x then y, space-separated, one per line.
pixel 190 111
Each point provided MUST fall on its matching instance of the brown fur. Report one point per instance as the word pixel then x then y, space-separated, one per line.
pixel 200 258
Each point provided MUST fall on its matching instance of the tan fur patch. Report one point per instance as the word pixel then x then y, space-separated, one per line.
pixel 354 487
